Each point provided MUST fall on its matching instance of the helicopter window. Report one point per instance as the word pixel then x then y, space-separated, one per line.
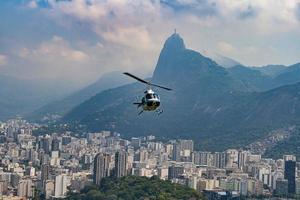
pixel 149 96
pixel 156 96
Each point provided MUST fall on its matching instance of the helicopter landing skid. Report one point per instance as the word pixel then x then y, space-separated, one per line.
pixel 159 111
pixel 141 112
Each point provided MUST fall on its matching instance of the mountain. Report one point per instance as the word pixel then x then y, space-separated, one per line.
pixel 271 70
pixel 62 106
pixel 21 96
pixel 224 61
pixel 290 75
pixel 209 103
pixel 253 79
pixel 266 77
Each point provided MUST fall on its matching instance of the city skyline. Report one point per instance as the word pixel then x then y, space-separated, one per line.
pixel 54 164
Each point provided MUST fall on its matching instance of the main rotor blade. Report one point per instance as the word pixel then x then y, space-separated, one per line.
pixel 143 81
pixel 161 87
pixel 137 78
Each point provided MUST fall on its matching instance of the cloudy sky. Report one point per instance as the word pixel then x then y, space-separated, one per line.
pixel 82 39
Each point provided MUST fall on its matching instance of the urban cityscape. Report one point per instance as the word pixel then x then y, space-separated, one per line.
pixel 149 99
pixel 53 165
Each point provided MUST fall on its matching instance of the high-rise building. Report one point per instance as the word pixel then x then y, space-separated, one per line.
pixel 290 175
pixel 202 157
pixel 136 142
pixel 176 152
pixel 175 171
pixel 55 146
pixel 121 163
pixel 45 144
pixel 61 184
pixel 49 188
pixel 3 187
pixel 101 167
pixel 187 145
pixel 66 139
pixel 182 150
pixel 219 159
pixel 142 155
pixel 25 188
pixel 243 159
pixel 232 158
pixel 289 157
pixel 282 186
pixel 45 172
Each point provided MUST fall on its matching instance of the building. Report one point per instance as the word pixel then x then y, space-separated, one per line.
pixel 55 146
pixel 289 157
pixel 25 188
pixel 61 186
pixel 219 159
pixel 243 158
pixel 290 175
pixel 163 173
pixel 3 187
pixel 176 152
pixel 101 167
pixel 135 142
pixel 202 157
pixel 282 187
pixel 175 171
pixel 182 150
pixel 45 171
pixel 297 186
pixel 45 144
pixel 121 163
pixel 49 188
pixel 232 156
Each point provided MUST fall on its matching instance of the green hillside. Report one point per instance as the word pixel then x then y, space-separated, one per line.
pixel 136 188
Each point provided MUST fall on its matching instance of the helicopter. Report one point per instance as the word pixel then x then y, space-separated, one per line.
pixel 151 100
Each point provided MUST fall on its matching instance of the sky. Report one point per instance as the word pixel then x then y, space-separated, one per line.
pixel 80 40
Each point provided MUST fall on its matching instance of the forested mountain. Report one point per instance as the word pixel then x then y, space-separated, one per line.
pixel 208 104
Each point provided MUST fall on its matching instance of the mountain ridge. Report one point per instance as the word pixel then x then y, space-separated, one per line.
pixel 207 104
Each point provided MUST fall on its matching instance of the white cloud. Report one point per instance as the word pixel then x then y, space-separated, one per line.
pixel 99 36
pixel 57 49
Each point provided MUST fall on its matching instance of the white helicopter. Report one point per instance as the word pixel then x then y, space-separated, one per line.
pixel 151 100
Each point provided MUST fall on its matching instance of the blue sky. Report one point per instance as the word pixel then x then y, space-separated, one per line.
pixel 82 39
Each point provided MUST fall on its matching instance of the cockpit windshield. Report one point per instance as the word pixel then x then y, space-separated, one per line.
pixel 152 96
pixel 149 96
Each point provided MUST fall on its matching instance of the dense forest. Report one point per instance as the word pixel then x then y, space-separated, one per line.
pixel 135 188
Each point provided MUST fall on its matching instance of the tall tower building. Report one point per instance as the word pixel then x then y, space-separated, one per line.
pixel 55 146
pixel 61 185
pixel 25 188
pixel 290 175
pixel 121 163
pixel 45 144
pixel 101 167
pixel 176 152
pixel 45 172
pixel 219 159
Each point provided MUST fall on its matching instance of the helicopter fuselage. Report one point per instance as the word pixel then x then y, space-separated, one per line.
pixel 150 101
